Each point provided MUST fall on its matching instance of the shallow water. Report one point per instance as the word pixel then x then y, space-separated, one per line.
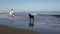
pixel 42 24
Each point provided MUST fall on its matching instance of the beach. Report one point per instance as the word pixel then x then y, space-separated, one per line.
pixel 19 24
pixel 10 30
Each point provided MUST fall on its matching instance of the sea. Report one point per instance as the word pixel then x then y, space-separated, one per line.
pixel 43 23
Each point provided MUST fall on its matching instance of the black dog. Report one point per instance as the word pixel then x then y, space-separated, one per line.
pixel 31 17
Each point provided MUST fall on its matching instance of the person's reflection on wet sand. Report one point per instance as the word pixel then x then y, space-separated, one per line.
pixel 11 19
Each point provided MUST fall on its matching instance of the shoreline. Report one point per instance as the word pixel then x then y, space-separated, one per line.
pixel 11 30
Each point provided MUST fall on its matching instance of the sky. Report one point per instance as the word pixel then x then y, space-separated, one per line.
pixel 30 5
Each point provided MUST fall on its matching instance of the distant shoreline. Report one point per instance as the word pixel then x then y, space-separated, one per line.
pixel 2 12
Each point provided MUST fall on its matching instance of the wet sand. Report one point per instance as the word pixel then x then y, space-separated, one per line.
pixel 10 30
